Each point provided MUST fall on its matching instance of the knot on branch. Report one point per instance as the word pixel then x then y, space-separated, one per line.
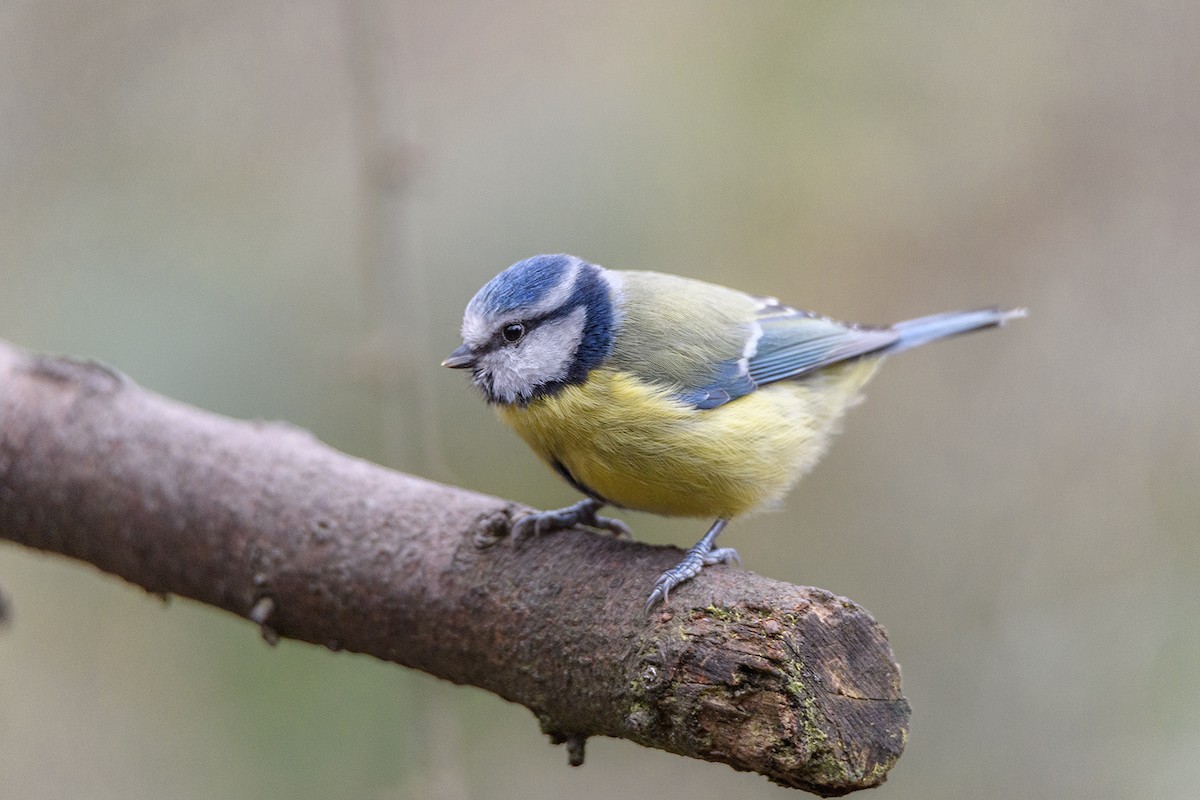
pixel 492 526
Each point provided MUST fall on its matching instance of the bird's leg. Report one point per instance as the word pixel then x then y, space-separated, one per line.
pixel 702 554
pixel 582 513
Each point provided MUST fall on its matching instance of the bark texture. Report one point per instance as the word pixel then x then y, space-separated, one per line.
pixel 264 521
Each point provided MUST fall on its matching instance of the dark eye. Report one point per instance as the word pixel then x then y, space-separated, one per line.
pixel 513 332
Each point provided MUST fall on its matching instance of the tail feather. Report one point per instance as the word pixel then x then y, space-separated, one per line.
pixel 916 332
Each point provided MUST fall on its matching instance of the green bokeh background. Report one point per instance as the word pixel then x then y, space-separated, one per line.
pixel 278 210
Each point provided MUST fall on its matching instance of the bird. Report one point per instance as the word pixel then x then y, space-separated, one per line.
pixel 660 393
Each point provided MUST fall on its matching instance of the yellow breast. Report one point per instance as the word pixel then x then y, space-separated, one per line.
pixel 636 446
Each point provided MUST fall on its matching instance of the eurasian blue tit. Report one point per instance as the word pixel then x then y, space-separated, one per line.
pixel 664 394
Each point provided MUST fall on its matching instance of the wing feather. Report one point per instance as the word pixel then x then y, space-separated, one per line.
pixel 787 344
pixel 795 343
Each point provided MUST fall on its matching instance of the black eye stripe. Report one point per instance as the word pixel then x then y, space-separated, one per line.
pixel 530 325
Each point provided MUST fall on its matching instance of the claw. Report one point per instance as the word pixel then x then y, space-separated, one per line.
pixel 538 523
pixel 702 554
pixel 611 524
pixel 723 555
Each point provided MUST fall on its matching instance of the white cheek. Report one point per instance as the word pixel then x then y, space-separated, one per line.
pixel 544 357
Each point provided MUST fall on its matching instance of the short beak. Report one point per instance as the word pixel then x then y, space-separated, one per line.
pixel 461 358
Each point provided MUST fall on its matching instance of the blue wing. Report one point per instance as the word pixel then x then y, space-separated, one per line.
pixel 786 344
pixel 731 382
pixel 795 343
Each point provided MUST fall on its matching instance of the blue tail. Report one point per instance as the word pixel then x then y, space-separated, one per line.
pixel 916 332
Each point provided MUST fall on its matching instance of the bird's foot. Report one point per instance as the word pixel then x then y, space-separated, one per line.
pixel 582 513
pixel 701 555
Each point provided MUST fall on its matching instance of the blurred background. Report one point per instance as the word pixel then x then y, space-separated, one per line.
pixel 279 209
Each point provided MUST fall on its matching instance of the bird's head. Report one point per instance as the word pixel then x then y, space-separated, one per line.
pixel 540 325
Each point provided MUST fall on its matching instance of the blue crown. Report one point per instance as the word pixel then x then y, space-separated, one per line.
pixel 524 284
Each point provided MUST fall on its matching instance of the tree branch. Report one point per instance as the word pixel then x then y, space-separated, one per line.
pixel 262 520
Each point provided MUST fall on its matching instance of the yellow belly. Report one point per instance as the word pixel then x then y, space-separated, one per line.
pixel 635 446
